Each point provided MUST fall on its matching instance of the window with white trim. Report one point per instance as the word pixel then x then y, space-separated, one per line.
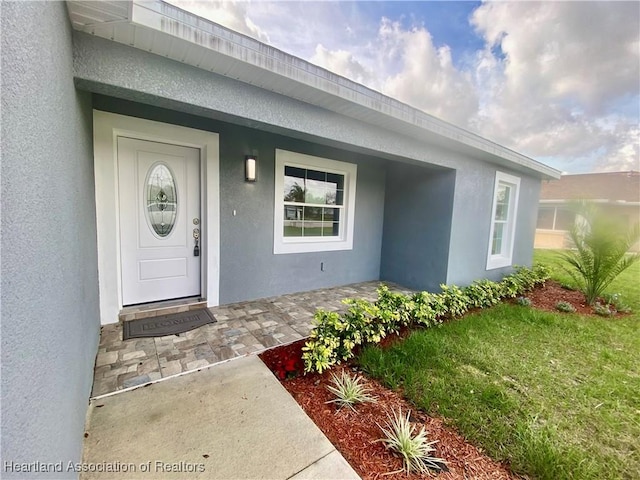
pixel 314 203
pixel 503 220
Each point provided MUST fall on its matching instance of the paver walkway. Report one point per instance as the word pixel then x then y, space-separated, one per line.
pixel 241 328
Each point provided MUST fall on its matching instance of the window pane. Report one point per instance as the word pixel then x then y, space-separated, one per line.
pixel 317 176
pixel 336 181
pixel 545 218
pixel 331 214
pixel 331 229
pixel 498 232
pixel 313 213
pixel 315 192
pixel 292 229
pixel 502 204
pixel 292 212
pixel 161 200
pixel 305 193
pixel 312 229
pixel 294 184
pixel 564 219
pixel 334 189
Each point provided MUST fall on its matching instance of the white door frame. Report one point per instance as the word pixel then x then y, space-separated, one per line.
pixel 106 129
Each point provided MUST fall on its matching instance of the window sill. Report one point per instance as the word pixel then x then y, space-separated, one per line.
pixel 284 246
pixel 498 262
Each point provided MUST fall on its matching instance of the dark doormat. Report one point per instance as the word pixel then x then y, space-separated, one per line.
pixel 166 324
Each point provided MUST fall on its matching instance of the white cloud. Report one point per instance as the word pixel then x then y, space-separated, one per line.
pixel 409 68
pixel 343 63
pixel 555 80
pixel 427 78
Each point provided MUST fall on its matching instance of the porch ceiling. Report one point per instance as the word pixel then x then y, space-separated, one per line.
pixel 166 30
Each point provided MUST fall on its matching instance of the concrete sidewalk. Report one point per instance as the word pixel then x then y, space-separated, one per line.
pixel 231 420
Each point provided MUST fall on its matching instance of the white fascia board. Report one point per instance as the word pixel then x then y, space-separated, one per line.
pixel 271 69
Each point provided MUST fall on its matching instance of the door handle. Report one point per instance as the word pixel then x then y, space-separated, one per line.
pixel 196 238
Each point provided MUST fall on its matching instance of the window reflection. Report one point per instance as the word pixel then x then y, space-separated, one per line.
pixel 306 192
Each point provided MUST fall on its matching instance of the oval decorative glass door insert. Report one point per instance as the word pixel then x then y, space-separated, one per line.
pixel 161 199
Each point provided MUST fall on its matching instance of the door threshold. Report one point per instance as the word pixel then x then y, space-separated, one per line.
pixel 165 307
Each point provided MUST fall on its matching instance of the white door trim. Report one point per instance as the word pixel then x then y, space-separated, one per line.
pixel 106 129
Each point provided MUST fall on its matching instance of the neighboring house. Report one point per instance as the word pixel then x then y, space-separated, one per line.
pixel 128 127
pixel 616 193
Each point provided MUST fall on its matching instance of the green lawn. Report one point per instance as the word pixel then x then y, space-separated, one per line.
pixel 556 395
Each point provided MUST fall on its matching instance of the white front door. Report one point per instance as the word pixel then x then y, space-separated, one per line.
pixel 159 198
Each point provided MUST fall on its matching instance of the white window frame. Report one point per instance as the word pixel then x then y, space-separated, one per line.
pixel 282 244
pixel 504 258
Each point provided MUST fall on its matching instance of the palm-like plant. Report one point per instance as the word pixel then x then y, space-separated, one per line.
pixel 600 253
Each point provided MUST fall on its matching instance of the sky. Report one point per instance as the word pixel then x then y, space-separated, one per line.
pixel 556 81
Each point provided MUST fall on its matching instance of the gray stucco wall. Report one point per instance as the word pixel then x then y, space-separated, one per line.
pixel 471 223
pixel 49 285
pixel 127 73
pixel 417 226
pixel 248 267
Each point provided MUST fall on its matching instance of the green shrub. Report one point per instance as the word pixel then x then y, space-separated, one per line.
pixel 618 303
pixel 430 308
pixel 523 301
pixel 334 337
pixel 566 307
pixel 483 293
pixel 324 347
pixel 395 308
pixel 455 300
pixel 603 310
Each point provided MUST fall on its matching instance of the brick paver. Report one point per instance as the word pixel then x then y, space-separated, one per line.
pixel 241 329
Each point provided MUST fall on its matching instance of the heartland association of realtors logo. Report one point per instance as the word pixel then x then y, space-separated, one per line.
pixel 103 467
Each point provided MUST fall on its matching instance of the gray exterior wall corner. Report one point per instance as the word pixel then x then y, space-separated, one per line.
pixel 471 224
pixel 417 226
pixel 49 286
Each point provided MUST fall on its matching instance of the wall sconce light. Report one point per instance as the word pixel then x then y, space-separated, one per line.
pixel 250 168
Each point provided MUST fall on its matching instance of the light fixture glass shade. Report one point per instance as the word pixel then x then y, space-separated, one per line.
pixel 250 168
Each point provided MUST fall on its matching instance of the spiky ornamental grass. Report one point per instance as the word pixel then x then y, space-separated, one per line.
pixel 414 449
pixel 348 390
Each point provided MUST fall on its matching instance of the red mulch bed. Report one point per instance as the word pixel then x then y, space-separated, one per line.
pixel 546 298
pixel 355 434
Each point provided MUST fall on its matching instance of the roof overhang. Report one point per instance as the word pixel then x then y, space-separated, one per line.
pixel 166 30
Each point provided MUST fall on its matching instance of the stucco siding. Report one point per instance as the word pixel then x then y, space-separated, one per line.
pixel 50 323
pixel 417 226
pixel 471 223
pixel 248 267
